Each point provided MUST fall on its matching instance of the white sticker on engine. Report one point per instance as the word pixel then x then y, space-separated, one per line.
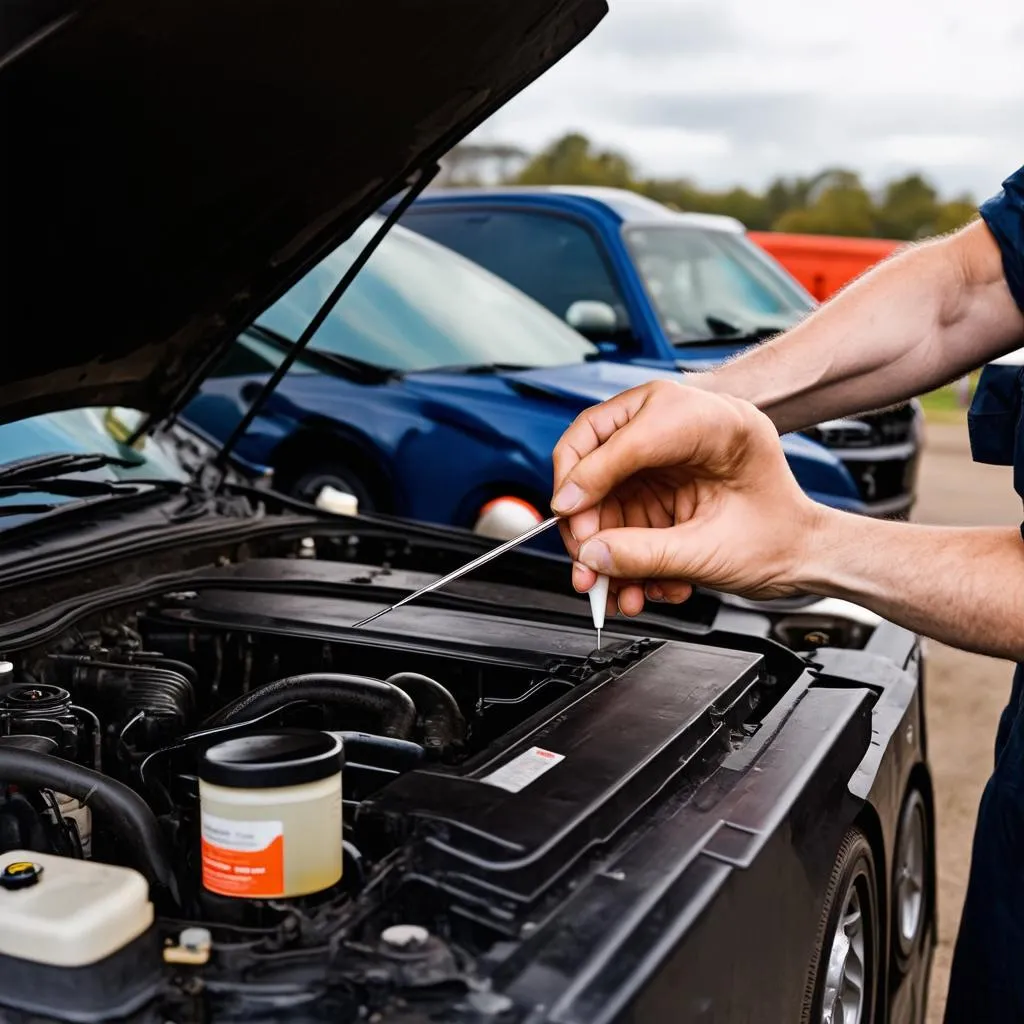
pixel 518 773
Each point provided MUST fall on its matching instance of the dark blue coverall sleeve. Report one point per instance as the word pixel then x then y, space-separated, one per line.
pixel 1004 215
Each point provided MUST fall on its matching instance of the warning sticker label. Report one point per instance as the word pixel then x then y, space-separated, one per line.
pixel 243 858
pixel 518 773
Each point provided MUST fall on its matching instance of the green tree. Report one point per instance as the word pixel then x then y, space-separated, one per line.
pixel 954 214
pixel 843 208
pixel 832 202
pixel 909 208
pixel 571 160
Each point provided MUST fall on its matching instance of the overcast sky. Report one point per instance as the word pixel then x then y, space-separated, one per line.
pixel 737 91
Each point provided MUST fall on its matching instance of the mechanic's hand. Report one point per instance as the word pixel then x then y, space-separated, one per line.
pixel 667 486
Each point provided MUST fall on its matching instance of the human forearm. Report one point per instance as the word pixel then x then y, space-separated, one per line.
pixel 964 587
pixel 916 321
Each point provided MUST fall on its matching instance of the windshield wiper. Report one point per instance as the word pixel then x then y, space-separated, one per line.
pixel 39 467
pixel 730 332
pixel 45 474
pixel 733 334
pixel 480 368
pixel 355 369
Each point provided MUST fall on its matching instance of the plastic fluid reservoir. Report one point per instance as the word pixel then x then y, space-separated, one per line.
pixel 271 814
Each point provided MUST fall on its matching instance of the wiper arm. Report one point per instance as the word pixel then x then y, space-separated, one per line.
pixel 481 368
pixel 45 474
pixel 355 369
pixel 41 467
pixel 737 335
pixel 28 509
pixel 730 332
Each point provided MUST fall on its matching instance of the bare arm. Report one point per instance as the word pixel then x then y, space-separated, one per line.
pixel 961 586
pixel 918 320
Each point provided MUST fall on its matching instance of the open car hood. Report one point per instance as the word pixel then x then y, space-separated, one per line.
pixel 171 168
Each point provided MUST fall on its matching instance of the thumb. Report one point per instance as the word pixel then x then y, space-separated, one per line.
pixel 641 552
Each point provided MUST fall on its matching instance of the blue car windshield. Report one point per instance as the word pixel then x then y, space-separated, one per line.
pixel 708 284
pixel 417 306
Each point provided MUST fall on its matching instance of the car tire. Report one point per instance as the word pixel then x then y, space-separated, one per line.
pixel 843 976
pixel 911 886
pixel 309 484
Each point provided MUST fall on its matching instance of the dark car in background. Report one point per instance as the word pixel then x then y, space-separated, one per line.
pixel 656 288
pixel 724 814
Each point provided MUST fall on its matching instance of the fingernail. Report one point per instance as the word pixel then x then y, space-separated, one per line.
pixel 595 555
pixel 655 593
pixel 567 498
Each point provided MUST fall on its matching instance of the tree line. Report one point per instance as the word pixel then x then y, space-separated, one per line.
pixel 832 202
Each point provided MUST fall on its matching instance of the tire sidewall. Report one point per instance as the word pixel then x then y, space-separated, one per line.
pixel 903 960
pixel 854 859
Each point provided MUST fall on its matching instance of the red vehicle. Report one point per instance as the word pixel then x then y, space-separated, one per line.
pixel 824 263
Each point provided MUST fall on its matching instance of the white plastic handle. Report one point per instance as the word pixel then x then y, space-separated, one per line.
pixel 598 595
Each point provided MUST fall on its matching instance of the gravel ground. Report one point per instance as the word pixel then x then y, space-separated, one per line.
pixel 965 692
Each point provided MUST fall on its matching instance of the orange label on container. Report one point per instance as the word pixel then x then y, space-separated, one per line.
pixel 243 858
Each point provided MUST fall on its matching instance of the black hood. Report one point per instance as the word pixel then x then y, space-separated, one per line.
pixel 170 167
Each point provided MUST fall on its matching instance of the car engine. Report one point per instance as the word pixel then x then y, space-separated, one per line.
pixel 472 774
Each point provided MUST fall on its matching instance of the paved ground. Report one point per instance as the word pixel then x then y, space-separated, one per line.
pixel 965 692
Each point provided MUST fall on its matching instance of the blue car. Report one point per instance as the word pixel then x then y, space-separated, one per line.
pixel 655 288
pixel 433 391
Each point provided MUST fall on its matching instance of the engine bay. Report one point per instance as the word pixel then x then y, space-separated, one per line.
pixel 487 764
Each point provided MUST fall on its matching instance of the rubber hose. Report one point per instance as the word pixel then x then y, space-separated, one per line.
pixel 381 751
pixel 443 723
pixel 122 809
pixel 393 708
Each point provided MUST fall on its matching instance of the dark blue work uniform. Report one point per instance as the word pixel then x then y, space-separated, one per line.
pixel 987 981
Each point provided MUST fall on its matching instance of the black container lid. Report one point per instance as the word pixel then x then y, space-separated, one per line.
pixel 267 760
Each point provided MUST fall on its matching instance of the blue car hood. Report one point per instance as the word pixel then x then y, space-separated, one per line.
pixel 575 386
pixel 588 383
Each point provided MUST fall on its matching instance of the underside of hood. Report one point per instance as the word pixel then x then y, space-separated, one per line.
pixel 171 167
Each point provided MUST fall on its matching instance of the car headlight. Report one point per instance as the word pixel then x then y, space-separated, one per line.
pixel 506 517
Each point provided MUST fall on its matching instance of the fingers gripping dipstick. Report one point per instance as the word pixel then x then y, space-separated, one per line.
pixel 600 588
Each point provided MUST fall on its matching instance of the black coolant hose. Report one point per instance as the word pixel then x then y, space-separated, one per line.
pixel 122 809
pixel 393 709
pixel 443 724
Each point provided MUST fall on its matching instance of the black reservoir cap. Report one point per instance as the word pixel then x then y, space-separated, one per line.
pixel 20 874
pixel 267 760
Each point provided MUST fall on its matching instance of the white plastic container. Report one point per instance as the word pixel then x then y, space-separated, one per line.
pixel 69 913
pixel 341 503
pixel 271 814
pixel 75 811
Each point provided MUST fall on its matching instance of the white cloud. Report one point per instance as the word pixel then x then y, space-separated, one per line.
pixel 730 92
